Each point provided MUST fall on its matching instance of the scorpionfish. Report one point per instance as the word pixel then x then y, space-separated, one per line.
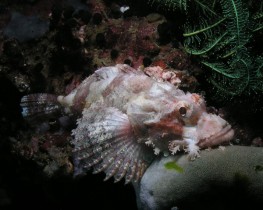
pixel 125 118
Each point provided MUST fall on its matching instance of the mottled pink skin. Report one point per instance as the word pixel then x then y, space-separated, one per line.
pixel 79 100
pixel 209 127
pixel 208 130
pixel 162 75
pixel 123 111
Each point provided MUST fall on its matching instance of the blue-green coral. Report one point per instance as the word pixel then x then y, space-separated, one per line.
pixel 219 33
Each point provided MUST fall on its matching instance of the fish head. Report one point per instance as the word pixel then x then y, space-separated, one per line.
pixel 205 129
pixel 175 113
pixel 187 125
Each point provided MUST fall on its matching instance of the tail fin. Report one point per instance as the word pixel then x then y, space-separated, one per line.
pixel 40 106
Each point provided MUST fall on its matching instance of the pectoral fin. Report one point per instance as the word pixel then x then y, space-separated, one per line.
pixel 104 140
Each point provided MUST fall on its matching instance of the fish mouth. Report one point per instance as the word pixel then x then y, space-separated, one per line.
pixel 224 135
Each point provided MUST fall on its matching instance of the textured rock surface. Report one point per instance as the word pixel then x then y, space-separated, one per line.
pixel 25 28
pixel 219 179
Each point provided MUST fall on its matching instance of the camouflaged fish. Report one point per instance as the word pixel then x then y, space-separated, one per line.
pixel 127 117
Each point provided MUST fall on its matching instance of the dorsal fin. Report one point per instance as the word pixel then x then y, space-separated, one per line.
pixel 128 69
pixel 104 140
pixel 113 71
pixel 106 72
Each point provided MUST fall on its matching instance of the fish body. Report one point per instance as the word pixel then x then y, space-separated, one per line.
pixel 126 117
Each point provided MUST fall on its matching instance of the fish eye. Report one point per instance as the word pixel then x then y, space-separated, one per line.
pixel 182 111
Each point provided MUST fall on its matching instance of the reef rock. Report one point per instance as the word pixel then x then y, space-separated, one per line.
pixel 230 178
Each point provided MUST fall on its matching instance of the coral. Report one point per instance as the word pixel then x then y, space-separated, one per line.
pixel 51 151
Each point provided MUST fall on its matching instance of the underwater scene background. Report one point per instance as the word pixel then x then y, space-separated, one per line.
pixel 209 47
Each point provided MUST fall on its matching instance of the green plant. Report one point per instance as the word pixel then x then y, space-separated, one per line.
pixel 220 34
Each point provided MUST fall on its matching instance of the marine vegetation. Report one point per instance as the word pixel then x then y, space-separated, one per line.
pixel 223 35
